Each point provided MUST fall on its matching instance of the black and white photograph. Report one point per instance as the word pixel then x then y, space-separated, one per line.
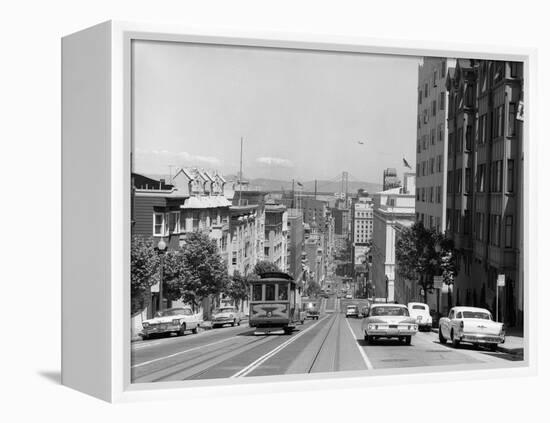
pixel 304 212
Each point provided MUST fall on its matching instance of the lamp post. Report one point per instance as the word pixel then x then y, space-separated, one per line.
pixel 161 250
pixel 438 249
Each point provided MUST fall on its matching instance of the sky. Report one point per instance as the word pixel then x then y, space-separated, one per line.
pixel 301 114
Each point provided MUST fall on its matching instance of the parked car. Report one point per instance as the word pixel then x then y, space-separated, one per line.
pixel 349 297
pixel 421 312
pixel 226 315
pixel 389 321
pixel 473 325
pixel 352 311
pixel 173 320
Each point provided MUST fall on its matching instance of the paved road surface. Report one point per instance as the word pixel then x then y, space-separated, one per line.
pixel 331 344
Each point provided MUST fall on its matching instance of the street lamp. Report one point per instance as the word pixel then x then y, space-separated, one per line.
pixel 161 250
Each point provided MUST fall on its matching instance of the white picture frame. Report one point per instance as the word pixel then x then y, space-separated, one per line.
pixel 96 149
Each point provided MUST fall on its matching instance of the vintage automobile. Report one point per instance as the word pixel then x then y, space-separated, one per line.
pixel 421 312
pixel 349 297
pixel 473 325
pixel 311 309
pixel 173 320
pixel 389 321
pixel 226 315
pixel 352 311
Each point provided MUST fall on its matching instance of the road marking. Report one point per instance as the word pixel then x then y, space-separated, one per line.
pixel 361 350
pixel 180 353
pixel 255 364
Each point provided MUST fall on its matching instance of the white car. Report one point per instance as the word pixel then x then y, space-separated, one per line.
pixel 227 315
pixel 349 297
pixel 389 321
pixel 471 324
pixel 352 310
pixel 421 312
pixel 172 320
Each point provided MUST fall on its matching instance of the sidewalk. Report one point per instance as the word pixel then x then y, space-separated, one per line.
pixel 513 342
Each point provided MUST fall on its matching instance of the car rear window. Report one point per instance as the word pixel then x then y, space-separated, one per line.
pixel 418 307
pixel 476 315
pixel 389 311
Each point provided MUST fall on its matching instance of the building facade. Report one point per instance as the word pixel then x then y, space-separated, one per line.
pixel 390 179
pixel 485 184
pixel 391 208
pixel 431 142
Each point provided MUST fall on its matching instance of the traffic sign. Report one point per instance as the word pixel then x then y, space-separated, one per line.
pixel 438 282
pixel 501 280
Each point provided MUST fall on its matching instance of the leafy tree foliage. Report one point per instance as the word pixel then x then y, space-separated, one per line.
pixel 143 271
pixel 203 272
pixel 237 287
pixel 313 289
pixel 264 266
pixel 418 257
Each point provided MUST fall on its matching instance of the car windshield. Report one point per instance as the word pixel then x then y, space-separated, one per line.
pixel 418 307
pixel 172 312
pixel 476 315
pixel 224 310
pixel 352 307
pixel 389 311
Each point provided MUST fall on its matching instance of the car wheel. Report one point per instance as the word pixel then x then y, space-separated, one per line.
pixel 408 340
pixel 145 337
pixel 455 342
pixel 493 347
pixel 182 330
pixel 367 339
pixel 442 339
pixel 233 323
pixel 239 323
pixel 195 329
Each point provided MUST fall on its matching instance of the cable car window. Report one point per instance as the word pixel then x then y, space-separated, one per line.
pixel 283 292
pixel 257 292
pixel 270 292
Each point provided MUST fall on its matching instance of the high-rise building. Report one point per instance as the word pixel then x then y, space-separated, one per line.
pixel 390 179
pixel 431 142
pixel 485 183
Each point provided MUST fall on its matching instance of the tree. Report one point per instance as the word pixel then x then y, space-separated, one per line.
pixel 238 287
pixel 203 271
pixel 144 267
pixel 265 266
pixel 416 255
pixel 313 289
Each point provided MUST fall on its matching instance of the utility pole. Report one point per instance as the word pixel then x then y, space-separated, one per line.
pixel 241 173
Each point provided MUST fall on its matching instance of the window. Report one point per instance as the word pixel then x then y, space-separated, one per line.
pixel 434 107
pixel 508 222
pixel 443 70
pixel 466 222
pixel 510 176
pixel 494 229
pixel 460 140
pixel 174 222
pixel 269 292
pixel 439 163
pixel 417 194
pixel 431 194
pixel 469 135
pixel 418 168
pixel 467 180
pixel 449 181
pixel 481 178
pixel 438 195
pixel 257 292
pixel 417 148
pixel 426 89
pixel 435 78
pixel 423 194
pixel 432 136
pixel 497 182
pixel 282 294
pixel 419 96
pixel 451 143
pixel 266 251
pixel 512 119
pixel 159 224
pixel 483 129
pixel 442 100
pixel 469 95
pixel 432 161
pixel 234 258
pixel 459 181
pixel 498 122
pixel 514 69
pixel 440 132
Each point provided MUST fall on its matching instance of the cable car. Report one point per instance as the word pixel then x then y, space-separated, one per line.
pixel 274 303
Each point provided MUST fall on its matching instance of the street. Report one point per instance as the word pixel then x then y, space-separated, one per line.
pixel 331 344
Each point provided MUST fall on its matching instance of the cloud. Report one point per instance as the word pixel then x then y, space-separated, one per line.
pixel 274 161
pixel 182 157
